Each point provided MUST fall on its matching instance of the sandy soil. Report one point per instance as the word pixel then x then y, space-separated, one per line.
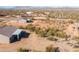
pixel 33 42
pixel 37 43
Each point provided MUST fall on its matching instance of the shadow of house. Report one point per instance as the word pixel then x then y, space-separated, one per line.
pixel 18 37
pixel 24 34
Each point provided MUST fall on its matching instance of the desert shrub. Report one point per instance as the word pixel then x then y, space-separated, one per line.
pixel 77 39
pixel 47 32
pixel 71 22
pixel 64 15
pixel 49 49
pixel 21 27
pixel 52 49
pixel 37 30
pixel 61 34
pixel 57 49
pixel 30 27
pixel 23 50
pixel 51 38
pixel 55 32
pixel 41 33
pixel 52 31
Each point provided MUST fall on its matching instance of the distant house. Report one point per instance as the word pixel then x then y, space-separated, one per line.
pixel 39 16
pixel 29 12
pixel 3 15
pixel 76 25
pixel 26 15
pixel 10 34
pixel 28 20
pixel 22 20
pixel 36 18
pixel 25 20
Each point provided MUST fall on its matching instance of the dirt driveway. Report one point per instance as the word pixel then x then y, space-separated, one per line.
pixel 32 42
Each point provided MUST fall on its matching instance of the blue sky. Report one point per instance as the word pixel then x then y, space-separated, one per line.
pixel 7 7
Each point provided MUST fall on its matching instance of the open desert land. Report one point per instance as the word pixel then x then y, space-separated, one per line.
pixel 50 31
pixel 36 43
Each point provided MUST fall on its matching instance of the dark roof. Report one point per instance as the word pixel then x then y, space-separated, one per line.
pixel 7 30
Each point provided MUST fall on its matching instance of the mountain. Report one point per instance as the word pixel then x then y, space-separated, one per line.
pixel 33 7
pixel 39 8
pixel 45 8
pixel 7 7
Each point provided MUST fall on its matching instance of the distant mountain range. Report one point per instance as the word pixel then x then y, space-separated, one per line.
pixel 46 8
pixel 38 8
pixel 7 7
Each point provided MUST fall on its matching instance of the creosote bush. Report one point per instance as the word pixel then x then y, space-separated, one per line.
pixel 21 27
pixel 55 32
pixel 30 27
pixel 47 32
pixel 51 38
pixel 52 49
pixel 23 50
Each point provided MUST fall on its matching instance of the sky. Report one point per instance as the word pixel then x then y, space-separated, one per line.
pixel 7 7
pixel 52 3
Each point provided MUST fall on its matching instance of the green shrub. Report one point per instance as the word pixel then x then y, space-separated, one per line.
pixel 76 38
pixel 41 33
pixel 61 34
pixel 21 27
pixel 51 38
pixel 37 30
pixel 49 49
pixel 55 32
pixel 50 32
pixel 23 50
pixel 52 49
pixel 30 27
pixel 46 33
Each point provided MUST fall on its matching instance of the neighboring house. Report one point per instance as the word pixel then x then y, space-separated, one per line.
pixel 3 15
pixel 36 18
pixel 25 20
pixel 10 34
pixel 29 12
pixel 22 20
pixel 28 20
pixel 76 25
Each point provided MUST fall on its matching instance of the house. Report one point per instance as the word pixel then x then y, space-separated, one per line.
pixel 10 34
pixel 25 20
pixel 29 12
pixel 22 21
pixel 76 25
pixel 28 20
pixel 3 15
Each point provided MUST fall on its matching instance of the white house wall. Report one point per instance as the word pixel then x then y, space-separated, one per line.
pixel 4 39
